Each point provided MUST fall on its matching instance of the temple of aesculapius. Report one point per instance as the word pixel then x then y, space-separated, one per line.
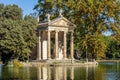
pixel 53 37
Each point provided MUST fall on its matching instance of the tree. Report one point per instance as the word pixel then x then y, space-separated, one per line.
pixel 17 35
pixel 44 7
pixel 29 27
pixel 1 11
pixel 12 12
pixel 93 18
pixel 113 48
pixel 93 46
pixel 11 36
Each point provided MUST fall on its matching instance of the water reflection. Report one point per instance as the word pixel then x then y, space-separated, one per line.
pixel 55 73
pixel 104 71
pixel 101 72
pixel 66 73
pixel 13 73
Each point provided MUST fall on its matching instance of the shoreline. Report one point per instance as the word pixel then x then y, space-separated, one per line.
pixel 95 63
pixel 108 60
pixel 81 64
pixel 36 64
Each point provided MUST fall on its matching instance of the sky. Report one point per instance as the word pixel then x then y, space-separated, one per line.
pixel 26 5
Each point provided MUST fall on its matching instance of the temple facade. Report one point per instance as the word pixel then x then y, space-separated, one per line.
pixel 53 36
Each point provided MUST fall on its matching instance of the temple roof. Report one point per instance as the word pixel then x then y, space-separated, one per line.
pixel 60 22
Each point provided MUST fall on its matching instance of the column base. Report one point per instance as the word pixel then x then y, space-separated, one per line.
pixel 72 60
pixel 57 59
pixel 49 59
pixel 65 58
pixel 38 59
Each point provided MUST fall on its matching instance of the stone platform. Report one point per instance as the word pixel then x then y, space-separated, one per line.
pixel 67 62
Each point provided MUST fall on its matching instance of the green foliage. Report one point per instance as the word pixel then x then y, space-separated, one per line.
pixel 17 35
pixel 29 26
pixel 92 19
pixel 11 12
pixel 1 11
pixel 113 49
pixel 44 7
pixel 17 63
pixel 11 37
pixel 93 45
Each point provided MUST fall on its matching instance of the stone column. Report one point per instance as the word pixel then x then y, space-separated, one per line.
pixel 39 46
pixel 72 46
pixel 65 45
pixel 56 44
pixel 48 46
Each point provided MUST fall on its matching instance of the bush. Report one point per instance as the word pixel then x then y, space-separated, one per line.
pixel 14 63
pixel 17 63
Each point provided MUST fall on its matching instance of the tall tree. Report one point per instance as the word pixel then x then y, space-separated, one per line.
pixel 1 11
pixel 113 48
pixel 94 17
pixel 44 7
pixel 29 26
pixel 17 35
pixel 12 12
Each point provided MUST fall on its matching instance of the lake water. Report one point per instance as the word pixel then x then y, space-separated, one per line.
pixel 104 71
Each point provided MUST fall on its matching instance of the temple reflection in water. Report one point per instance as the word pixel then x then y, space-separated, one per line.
pixel 55 73
pixel 104 71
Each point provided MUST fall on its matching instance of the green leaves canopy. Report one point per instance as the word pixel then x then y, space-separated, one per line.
pixel 17 35
pixel 93 17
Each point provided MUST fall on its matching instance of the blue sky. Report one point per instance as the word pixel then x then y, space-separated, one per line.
pixel 26 5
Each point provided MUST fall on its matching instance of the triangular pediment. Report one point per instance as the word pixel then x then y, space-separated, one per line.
pixel 63 22
pixel 60 23
pixel 57 23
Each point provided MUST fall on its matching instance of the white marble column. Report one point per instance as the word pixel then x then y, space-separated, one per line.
pixel 39 46
pixel 49 46
pixel 56 44
pixel 65 45
pixel 72 45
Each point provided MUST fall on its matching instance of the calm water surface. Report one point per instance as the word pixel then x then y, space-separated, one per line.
pixel 104 71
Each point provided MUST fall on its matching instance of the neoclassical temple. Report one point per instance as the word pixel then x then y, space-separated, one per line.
pixel 53 39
